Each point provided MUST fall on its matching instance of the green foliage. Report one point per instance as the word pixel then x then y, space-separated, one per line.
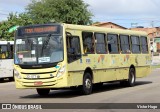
pixel 13 20
pixel 45 11
pixel 64 11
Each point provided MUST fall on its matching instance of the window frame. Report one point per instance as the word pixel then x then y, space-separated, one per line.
pixel 146 52
pixel 129 44
pixel 10 53
pixel 73 36
pixel 105 44
pixel 118 52
pixel 135 44
pixel 93 42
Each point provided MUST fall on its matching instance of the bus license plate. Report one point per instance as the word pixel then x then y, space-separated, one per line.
pixel 38 83
pixel 32 76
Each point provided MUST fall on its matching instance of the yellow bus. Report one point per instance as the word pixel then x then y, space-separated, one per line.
pixel 53 56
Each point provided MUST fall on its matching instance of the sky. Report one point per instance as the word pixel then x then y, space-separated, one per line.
pixel 127 13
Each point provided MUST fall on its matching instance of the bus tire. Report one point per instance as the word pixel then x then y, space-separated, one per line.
pixel 11 78
pixel 87 84
pixel 132 78
pixel 43 92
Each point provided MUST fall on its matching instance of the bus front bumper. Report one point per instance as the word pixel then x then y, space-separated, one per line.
pixel 45 83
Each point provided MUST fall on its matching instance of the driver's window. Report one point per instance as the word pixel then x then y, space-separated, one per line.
pixel 73 48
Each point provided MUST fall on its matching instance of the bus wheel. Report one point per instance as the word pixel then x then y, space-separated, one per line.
pixel 43 92
pixel 132 78
pixel 11 78
pixel 87 84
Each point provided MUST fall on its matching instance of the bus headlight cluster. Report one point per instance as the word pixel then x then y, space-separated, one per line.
pixel 61 71
pixel 16 74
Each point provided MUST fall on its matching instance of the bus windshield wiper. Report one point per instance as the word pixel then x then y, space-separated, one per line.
pixel 44 45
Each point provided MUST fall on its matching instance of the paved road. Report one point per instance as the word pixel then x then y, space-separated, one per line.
pixel 147 90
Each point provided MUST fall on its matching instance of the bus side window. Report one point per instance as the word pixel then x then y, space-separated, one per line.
pixel 12 50
pixel 135 44
pixel 73 48
pixel 6 51
pixel 9 51
pixel 101 43
pixel 3 52
pixel 112 43
pixel 88 42
pixel 124 44
pixel 144 44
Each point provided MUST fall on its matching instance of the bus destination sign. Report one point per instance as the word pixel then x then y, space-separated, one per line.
pixel 37 30
pixel 41 29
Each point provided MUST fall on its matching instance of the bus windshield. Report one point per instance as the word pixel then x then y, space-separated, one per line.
pixel 33 50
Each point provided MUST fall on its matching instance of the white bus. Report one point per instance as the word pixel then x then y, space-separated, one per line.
pixel 6 59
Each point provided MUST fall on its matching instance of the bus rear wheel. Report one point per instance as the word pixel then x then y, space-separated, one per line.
pixel 87 84
pixel 43 92
pixel 132 78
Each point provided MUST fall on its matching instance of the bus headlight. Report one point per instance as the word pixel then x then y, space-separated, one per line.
pixel 16 74
pixel 61 71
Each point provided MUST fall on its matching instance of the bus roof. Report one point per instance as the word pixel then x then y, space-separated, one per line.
pixel 94 29
pixel 102 29
pixel 5 42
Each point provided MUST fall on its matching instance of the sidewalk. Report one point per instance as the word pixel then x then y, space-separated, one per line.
pixel 156 60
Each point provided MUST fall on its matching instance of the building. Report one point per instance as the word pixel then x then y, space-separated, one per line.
pixel 109 25
pixel 153 34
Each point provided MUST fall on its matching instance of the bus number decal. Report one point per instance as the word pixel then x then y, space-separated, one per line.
pixel 88 61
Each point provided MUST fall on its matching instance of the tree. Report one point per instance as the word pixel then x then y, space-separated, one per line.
pixel 13 20
pixel 64 11
pixel 5 25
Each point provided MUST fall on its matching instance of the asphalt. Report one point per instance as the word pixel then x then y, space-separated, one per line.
pixel 146 90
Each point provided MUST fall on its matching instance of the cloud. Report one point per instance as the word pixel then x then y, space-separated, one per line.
pixel 8 6
pixel 103 10
pixel 126 12
pixel 100 7
pixel 20 3
pixel 124 7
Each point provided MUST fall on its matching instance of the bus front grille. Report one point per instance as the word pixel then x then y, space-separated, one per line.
pixel 38 73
